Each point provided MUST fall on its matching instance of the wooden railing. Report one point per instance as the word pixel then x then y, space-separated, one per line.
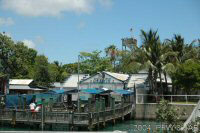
pixel 89 118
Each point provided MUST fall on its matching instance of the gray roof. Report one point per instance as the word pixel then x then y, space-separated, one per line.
pixel 138 79
pixel 119 76
pixel 72 81
pixel 22 87
pixel 20 81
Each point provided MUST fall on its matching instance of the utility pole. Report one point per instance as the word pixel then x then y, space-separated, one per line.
pixel 78 83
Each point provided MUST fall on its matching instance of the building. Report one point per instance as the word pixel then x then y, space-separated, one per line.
pixel 4 85
pixel 23 86
pixel 72 81
pixel 109 80
pixel 139 81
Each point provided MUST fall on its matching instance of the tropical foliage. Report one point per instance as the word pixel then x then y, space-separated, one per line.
pixel 170 57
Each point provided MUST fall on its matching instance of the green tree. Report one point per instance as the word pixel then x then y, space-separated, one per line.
pixel 25 58
pixel 41 72
pixel 57 72
pixel 16 59
pixel 112 52
pixel 167 114
pixel 187 76
pixel 152 48
pixel 92 63
pixel 7 55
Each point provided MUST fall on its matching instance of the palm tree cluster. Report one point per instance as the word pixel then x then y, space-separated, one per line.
pixel 159 58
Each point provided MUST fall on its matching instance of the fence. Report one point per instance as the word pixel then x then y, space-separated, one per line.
pixel 193 117
pixel 43 116
pixel 182 99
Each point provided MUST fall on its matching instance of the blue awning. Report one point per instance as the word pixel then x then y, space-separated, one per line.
pixel 123 92
pixel 55 91
pixel 92 91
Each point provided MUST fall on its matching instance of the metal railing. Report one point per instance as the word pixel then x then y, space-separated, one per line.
pixel 151 98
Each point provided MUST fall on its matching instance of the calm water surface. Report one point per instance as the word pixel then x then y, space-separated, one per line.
pixel 136 126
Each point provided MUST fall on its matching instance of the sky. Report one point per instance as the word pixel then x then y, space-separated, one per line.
pixel 61 29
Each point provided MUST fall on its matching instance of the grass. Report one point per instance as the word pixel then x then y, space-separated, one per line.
pixel 184 102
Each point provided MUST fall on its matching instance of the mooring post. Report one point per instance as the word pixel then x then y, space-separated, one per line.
pixel 97 111
pixel 122 107
pixel 104 111
pixel 113 109
pixel 43 114
pixel 13 117
pixel 71 120
pixel 90 116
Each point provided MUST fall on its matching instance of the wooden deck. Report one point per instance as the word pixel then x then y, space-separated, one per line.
pixel 89 119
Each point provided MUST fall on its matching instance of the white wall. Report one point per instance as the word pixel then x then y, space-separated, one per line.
pixel 96 82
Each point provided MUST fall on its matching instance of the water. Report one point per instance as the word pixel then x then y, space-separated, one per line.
pixel 136 126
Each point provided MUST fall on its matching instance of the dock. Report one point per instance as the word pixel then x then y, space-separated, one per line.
pixel 72 119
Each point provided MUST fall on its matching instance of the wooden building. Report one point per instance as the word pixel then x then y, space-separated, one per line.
pixel 4 85
pixel 23 86
pixel 109 80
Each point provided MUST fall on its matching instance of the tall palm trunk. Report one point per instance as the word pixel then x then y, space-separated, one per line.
pixel 155 81
pixel 161 86
pixel 165 75
pixel 151 80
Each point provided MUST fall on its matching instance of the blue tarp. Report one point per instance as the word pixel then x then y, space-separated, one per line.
pixel 123 92
pixel 12 100
pixel 56 91
pixel 92 91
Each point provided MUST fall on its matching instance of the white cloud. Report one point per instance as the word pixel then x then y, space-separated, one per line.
pixel 47 7
pixel 29 43
pixel 52 7
pixel 6 21
pixel 106 3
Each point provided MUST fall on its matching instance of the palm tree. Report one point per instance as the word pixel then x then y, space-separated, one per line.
pixel 112 52
pixel 178 53
pixel 152 48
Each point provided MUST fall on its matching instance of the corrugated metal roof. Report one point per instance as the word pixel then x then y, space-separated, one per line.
pixel 20 81
pixel 137 79
pixel 72 81
pixel 119 76
pixel 22 87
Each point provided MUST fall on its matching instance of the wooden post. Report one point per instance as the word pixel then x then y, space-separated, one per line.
pixel 90 116
pixel 24 103
pixel 113 109
pixel 122 107
pixel 51 104
pixel 43 114
pixel 71 121
pixel 19 102
pixel 13 117
pixel 89 104
pixel 103 109
pixel 97 111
